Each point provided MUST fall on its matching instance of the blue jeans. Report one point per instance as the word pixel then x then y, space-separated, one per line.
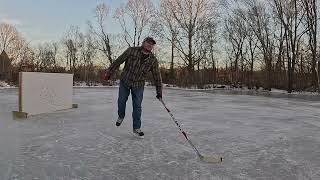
pixel 137 96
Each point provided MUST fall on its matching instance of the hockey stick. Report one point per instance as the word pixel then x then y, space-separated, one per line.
pixel 210 159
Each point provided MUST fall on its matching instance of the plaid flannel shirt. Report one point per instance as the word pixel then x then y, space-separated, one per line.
pixel 136 68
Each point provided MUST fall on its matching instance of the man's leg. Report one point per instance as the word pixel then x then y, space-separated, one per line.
pixel 124 92
pixel 137 97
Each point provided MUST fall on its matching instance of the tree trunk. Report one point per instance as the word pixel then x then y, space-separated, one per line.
pixel 214 70
pixel 190 60
pixel 251 73
pixel 268 60
pixel 319 76
pixel 172 76
pixel 290 74
pixel 109 50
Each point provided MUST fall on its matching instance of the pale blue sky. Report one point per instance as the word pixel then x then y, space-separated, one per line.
pixel 47 20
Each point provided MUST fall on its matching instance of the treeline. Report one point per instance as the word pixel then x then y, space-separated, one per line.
pixel 276 37
pixel 254 43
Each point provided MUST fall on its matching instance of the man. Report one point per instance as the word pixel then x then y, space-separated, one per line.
pixel 138 62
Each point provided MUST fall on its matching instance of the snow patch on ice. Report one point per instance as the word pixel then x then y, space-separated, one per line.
pixel 4 85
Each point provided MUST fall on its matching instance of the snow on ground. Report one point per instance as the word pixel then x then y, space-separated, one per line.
pixel 4 85
pixel 260 137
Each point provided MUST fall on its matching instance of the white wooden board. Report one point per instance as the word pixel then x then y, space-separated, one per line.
pixel 45 92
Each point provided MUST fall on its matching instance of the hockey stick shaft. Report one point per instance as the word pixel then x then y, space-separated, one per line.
pixel 180 128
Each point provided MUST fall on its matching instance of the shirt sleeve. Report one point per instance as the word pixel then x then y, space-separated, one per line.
pixel 122 58
pixel 157 77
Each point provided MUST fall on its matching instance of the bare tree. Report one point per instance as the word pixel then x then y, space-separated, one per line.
pixel 252 44
pixel 22 55
pixel 136 14
pixel 211 40
pixel 14 44
pixel 87 52
pixel 71 42
pixel 280 67
pixel 103 38
pixel 8 36
pixel 291 15
pixel 259 21
pixel 45 57
pixel 165 26
pixel 310 8
pixel 55 47
pixel 191 16
pixel 236 32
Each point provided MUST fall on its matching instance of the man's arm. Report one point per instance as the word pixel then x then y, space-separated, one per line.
pixel 115 65
pixel 157 78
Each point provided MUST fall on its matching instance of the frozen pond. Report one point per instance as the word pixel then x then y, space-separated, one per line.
pixel 260 137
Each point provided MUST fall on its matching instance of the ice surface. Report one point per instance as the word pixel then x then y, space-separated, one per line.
pixel 260 138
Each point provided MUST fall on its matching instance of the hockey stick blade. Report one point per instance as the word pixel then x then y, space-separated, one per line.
pixel 212 159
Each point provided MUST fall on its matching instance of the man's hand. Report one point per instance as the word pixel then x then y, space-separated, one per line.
pixel 159 96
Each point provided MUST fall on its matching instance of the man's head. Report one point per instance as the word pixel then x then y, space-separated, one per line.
pixel 148 44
